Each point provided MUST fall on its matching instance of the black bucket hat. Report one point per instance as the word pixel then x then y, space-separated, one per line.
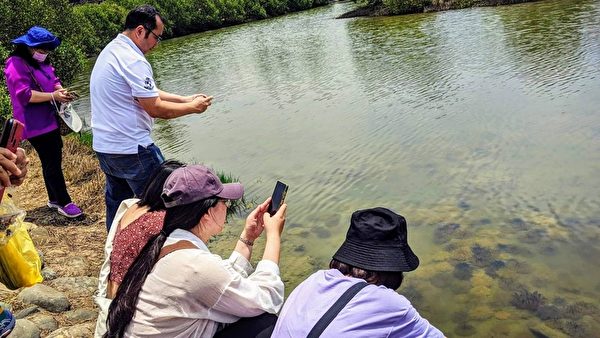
pixel 377 241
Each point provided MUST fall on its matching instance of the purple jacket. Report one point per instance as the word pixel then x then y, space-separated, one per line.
pixel 375 312
pixel 38 118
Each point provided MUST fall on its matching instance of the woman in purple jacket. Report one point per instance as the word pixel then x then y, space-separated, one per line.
pixel 35 92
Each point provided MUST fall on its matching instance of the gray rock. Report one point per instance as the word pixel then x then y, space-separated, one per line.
pixel 45 297
pixel 76 331
pixel 25 329
pixel 27 312
pixel 39 235
pixel 49 274
pixel 6 306
pixel 78 266
pixel 81 315
pixel 44 322
pixel 81 286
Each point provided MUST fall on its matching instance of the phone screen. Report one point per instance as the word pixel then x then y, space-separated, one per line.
pixel 278 197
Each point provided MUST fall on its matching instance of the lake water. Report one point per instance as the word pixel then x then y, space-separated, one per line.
pixel 480 126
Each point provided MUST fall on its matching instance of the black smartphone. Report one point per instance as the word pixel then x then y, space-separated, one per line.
pixel 278 197
pixel 11 136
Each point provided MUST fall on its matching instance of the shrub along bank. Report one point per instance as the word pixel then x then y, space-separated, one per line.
pixel 395 7
pixel 87 27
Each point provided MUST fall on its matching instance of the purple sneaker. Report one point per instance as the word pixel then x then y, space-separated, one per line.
pixel 70 210
pixel 7 323
pixel 53 205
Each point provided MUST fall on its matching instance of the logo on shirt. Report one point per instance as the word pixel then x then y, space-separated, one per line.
pixel 148 83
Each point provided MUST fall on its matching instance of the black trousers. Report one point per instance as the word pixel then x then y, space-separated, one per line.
pixel 255 327
pixel 49 149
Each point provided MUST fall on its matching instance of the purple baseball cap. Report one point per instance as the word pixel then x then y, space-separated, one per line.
pixel 196 182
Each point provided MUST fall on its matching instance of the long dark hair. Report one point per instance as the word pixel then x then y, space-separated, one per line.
pixel 389 279
pixel 154 188
pixel 22 51
pixel 123 306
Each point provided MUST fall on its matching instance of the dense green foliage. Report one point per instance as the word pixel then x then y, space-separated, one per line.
pixel 85 27
pixel 406 6
pixel 418 6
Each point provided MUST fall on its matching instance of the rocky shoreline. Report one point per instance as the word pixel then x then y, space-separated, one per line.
pixel 436 6
pixel 62 305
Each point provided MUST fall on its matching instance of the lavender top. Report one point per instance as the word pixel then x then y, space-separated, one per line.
pixel 38 118
pixel 375 311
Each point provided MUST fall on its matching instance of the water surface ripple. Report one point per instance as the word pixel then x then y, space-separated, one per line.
pixel 481 126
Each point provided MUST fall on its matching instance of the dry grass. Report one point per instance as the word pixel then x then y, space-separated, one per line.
pixel 68 240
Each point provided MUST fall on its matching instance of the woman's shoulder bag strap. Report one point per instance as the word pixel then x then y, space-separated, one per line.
pixel 335 309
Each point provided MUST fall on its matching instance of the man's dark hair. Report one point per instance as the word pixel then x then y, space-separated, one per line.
pixel 144 15
pixel 389 279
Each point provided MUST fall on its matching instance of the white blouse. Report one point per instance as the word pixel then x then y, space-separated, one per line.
pixel 190 292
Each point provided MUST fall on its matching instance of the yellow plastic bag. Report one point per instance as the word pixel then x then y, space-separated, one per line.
pixel 20 263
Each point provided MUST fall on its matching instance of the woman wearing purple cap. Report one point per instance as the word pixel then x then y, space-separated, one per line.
pixel 177 288
pixel 35 91
pixel 357 296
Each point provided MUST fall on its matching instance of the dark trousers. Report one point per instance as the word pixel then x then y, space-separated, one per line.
pixel 254 327
pixel 127 175
pixel 49 149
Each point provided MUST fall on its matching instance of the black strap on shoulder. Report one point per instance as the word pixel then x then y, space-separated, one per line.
pixel 335 309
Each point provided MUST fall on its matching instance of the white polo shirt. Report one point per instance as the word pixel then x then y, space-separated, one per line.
pixel 121 74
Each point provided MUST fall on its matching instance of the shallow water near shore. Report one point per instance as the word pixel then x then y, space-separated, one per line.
pixel 480 126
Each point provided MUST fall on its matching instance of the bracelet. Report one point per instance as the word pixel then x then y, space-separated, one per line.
pixel 247 242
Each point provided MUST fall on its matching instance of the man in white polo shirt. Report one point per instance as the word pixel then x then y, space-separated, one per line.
pixel 125 101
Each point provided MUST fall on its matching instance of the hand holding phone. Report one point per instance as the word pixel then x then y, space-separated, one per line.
pixel 278 197
pixel 72 95
pixel 9 140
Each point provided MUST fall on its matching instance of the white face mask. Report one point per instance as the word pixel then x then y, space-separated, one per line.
pixel 39 57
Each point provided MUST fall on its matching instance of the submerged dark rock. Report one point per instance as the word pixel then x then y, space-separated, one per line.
pixel 519 267
pixel 538 334
pixel 444 232
pixel 322 232
pixel 481 256
pixel 483 221
pixel 579 309
pixel 534 236
pixel 527 300
pixel 574 329
pixel 412 294
pixel 463 271
pixel 494 266
pixel 518 223
pixel 548 312
pixel 510 284
pixel 464 329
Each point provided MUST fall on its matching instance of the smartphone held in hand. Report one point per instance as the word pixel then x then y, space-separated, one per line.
pixel 10 137
pixel 278 197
